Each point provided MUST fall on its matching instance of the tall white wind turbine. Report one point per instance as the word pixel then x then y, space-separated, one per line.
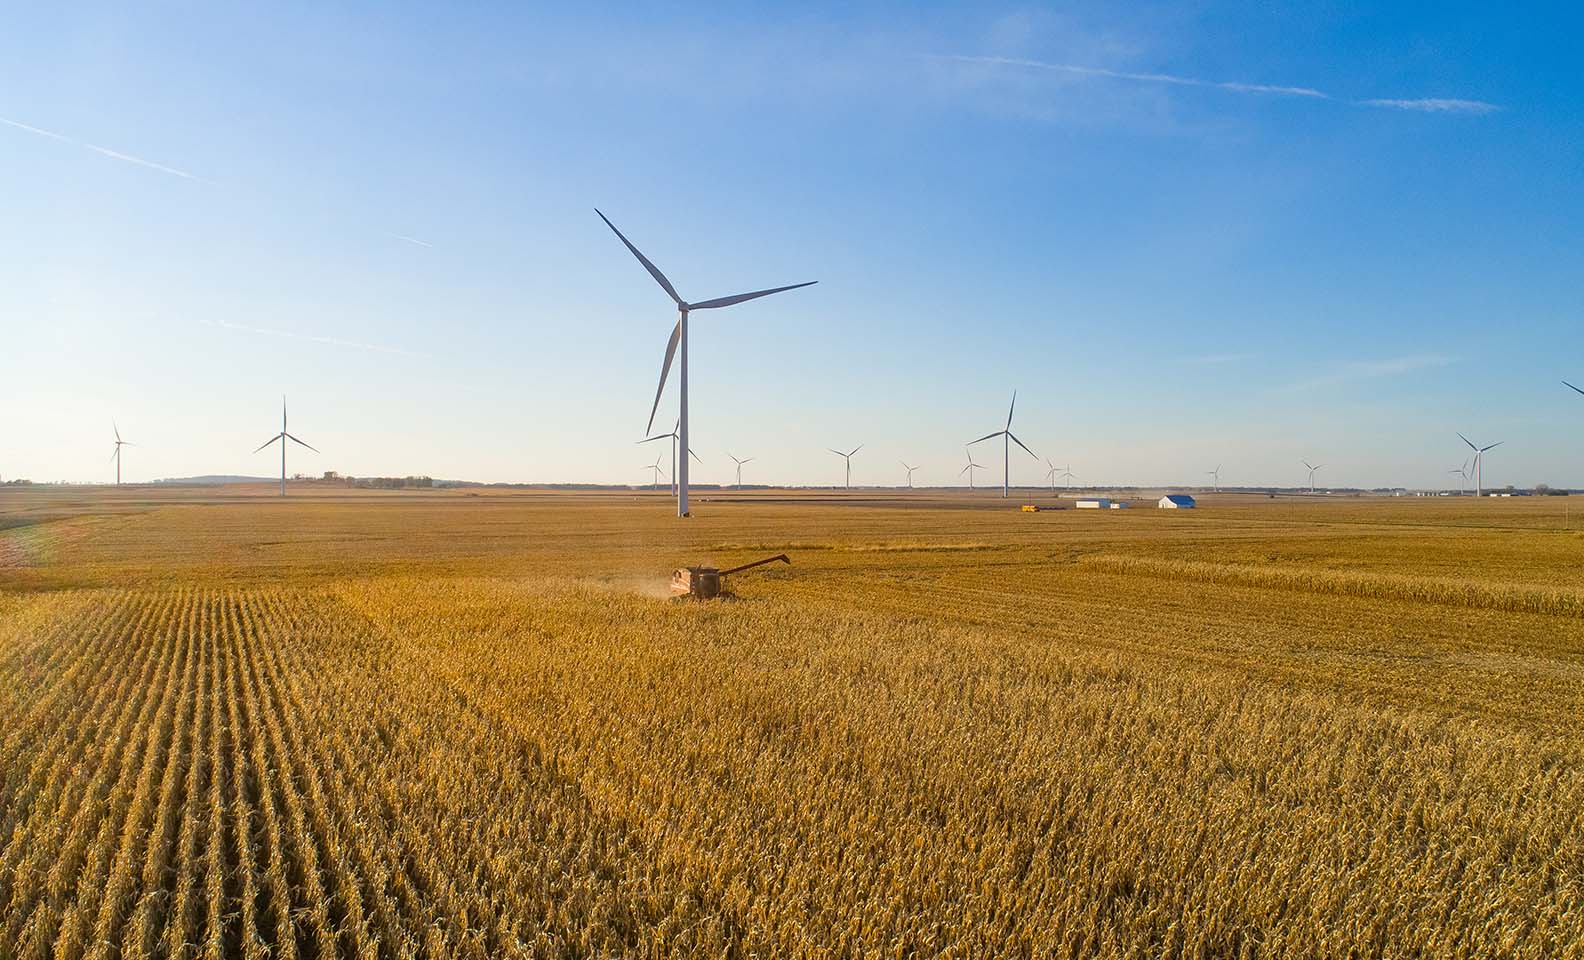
pixel 970 468
pixel 1007 439
pixel 675 436
pixel 1050 474
pixel 658 473
pixel 847 484
pixel 283 436
pixel 739 468
pixel 909 472
pixel 119 443
pixel 1479 461
pixel 1313 469
pixel 1215 475
pixel 679 343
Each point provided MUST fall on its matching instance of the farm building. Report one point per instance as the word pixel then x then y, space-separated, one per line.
pixel 1119 504
pixel 1094 503
pixel 1176 501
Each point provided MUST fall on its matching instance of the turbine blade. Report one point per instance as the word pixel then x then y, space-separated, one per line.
pixel 269 441
pixel 1467 441
pixel 742 297
pixel 835 451
pixel 695 456
pixel 663 436
pixel 1492 446
pixel 965 469
pixel 1010 409
pixel 1020 443
pixel 654 271
pixel 750 460
pixel 856 449
pixel 1573 388
pixel 665 370
pixel 117 430
pixel 295 440
pixel 986 437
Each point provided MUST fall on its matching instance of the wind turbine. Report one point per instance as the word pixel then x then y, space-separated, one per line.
pixel 1463 473
pixel 1007 439
pixel 679 339
pixel 1051 475
pixel 739 468
pixel 119 443
pixel 970 468
pixel 657 471
pixel 1479 461
pixel 1312 468
pixel 1067 475
pixel 283 436
pixel 673 436
pixel 909 472
pixel 1216 474
pixel 847 485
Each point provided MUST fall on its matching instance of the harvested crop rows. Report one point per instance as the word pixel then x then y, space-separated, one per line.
pixel 966 741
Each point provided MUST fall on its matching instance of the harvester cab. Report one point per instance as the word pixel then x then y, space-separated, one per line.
pixel 708 583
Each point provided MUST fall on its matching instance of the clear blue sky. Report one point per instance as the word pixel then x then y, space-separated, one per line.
pixel 1187 234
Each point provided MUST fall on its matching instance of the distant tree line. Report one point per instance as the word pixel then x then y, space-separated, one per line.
pixel 381 483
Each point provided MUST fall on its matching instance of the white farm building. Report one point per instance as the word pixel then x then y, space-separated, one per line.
pixel 1094 503
pixel 1176 501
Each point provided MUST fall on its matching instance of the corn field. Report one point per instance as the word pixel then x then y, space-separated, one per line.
pixel 433 728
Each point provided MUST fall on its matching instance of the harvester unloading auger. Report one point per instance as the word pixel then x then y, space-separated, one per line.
pixel 707 583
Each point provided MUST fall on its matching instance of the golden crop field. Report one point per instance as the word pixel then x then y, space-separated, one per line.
pixel 402 725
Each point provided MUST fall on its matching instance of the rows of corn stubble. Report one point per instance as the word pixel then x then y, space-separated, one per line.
pixel 969 750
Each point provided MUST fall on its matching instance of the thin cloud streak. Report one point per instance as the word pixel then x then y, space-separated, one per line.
pixel 1423 104
pixel 1437 105
pixel 1373 369
pixel 312 338
pixel 413 240
pixel 105 151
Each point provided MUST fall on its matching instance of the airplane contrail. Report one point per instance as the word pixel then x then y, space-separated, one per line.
pixel 413 240
pixel 105 151
pixel 1422 104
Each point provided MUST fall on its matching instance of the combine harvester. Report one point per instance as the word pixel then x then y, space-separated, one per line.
pixel 708 583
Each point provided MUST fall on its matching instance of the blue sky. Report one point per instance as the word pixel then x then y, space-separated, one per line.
pixel 1187 234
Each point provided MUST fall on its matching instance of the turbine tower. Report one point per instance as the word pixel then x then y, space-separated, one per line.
pixel 909 472
pixel 1479 461
pixel 1313 467
pixel 739 468
pixel 283 436
pixel 970 468
pixel 679 343
pixel 1007 439
pixel 674 436
pixel 657 471
pixel 1216 477
pixel 119 443
pixel 847 484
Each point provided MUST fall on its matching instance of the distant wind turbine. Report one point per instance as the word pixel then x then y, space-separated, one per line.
pixel 283 436
pixel 1216 475
pixel 675 437
pixel 739 468
pixel 1067 475
pixel 1007 439
pixel 1479 461
pixel 1313 468
pixel 119 443
pixel 847 485
pixel 970 468
pixel 658 473
pixel 909 472
pixel 679 339
pixel 1463 473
